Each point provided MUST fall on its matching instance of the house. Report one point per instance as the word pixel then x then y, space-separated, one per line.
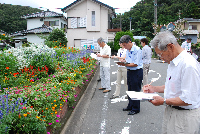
pixel 87 21
pixel 191 28
pixel 40 23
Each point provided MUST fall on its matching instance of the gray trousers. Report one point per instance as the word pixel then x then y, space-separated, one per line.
pixel 145 73
pixel 105 77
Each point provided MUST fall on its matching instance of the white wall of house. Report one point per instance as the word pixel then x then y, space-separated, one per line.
pixel 85 9
pixel 33 38
pixel 35 22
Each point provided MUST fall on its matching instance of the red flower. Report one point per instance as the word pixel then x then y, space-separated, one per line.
pixel 7 67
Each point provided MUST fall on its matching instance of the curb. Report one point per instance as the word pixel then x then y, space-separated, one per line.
pixel 76 119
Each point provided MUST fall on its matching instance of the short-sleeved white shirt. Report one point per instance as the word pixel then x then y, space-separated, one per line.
pixel 186 46
pixel 121 53
pixel 106 50
pixel 183 80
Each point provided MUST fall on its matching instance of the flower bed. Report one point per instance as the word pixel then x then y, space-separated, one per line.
pixel 39 84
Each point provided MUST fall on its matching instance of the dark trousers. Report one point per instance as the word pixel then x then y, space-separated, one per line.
pixel 134 81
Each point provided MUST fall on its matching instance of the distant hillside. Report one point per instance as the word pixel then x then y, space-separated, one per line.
pixel 10 17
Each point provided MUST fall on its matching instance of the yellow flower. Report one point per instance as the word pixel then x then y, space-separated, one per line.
pixel 25 115
pixel 55 105
pixel 3 34
pixel 74 74
pixel 37 117
pixel 55 112
pixel 54 100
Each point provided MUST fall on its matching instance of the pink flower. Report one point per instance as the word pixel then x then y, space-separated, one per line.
pixel 50 123
pixel 35 98
pixel 86 80
pixel 57 120
pixel 54 76
pixel 58 116
pixel 48 132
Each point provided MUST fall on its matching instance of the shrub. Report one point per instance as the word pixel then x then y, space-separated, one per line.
pixel 56 38
pixel 118 36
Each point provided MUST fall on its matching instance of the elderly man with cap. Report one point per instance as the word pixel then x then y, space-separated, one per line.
pixel 181 89
pixel 134 72
pixel 187 45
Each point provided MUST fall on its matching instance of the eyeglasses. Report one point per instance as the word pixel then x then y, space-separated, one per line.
pixel 160 55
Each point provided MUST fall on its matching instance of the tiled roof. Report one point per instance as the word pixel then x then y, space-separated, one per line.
pixel 43 29
pixel 43 14
pixel 190 32
pixel 18 33
pixel 191 20
pixel 79 1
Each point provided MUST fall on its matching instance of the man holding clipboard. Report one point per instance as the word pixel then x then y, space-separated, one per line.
pixel 134 72
pixel 181 89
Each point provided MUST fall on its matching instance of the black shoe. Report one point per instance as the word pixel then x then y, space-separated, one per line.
pixel 126 109
pixel 99 79
pixel 102 88
pixel 113 97
pixel 126 97
pixel 132 113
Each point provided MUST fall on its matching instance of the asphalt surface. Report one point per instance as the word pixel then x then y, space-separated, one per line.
pixel 96 113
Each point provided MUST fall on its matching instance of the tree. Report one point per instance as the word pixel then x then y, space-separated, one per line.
pixel 56 38
pixel 117 38
pixel 10 16
pixel 142 14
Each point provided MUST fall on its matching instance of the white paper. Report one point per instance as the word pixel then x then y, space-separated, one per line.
pixel 140 95
pixel 93 55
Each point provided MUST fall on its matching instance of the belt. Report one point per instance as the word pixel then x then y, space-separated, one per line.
pixel 177 107
pixel 133 70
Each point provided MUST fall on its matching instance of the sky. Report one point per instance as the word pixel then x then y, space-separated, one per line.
pixel 123 5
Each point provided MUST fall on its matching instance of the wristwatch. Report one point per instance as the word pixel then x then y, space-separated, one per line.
pixel 164 103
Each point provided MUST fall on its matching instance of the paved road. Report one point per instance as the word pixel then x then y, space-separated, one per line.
pixel 97 114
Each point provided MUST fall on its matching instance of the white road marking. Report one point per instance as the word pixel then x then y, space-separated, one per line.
pixel 126 128
pixel 113 83
pixel 155 79
pixel 119 99
pixel 114 72
pixel 103 115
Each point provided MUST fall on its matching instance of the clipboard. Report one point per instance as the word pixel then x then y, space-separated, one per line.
pixel 121 62
pixel 141 95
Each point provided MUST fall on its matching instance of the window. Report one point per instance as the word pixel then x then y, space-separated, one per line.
pixel 78 22
pixel 54 23
pixel 93 18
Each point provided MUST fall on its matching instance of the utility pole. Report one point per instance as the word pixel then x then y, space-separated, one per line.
pixel 130 23
pixel 155 14
pixel 179 14
pixel 120 22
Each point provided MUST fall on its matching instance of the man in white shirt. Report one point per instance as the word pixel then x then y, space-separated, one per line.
pixel 187 45
pixel 105 52
pixel 146 57
pixel 121 72
pixel 181 89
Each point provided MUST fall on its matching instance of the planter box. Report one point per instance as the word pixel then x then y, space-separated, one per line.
pixel 66 110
